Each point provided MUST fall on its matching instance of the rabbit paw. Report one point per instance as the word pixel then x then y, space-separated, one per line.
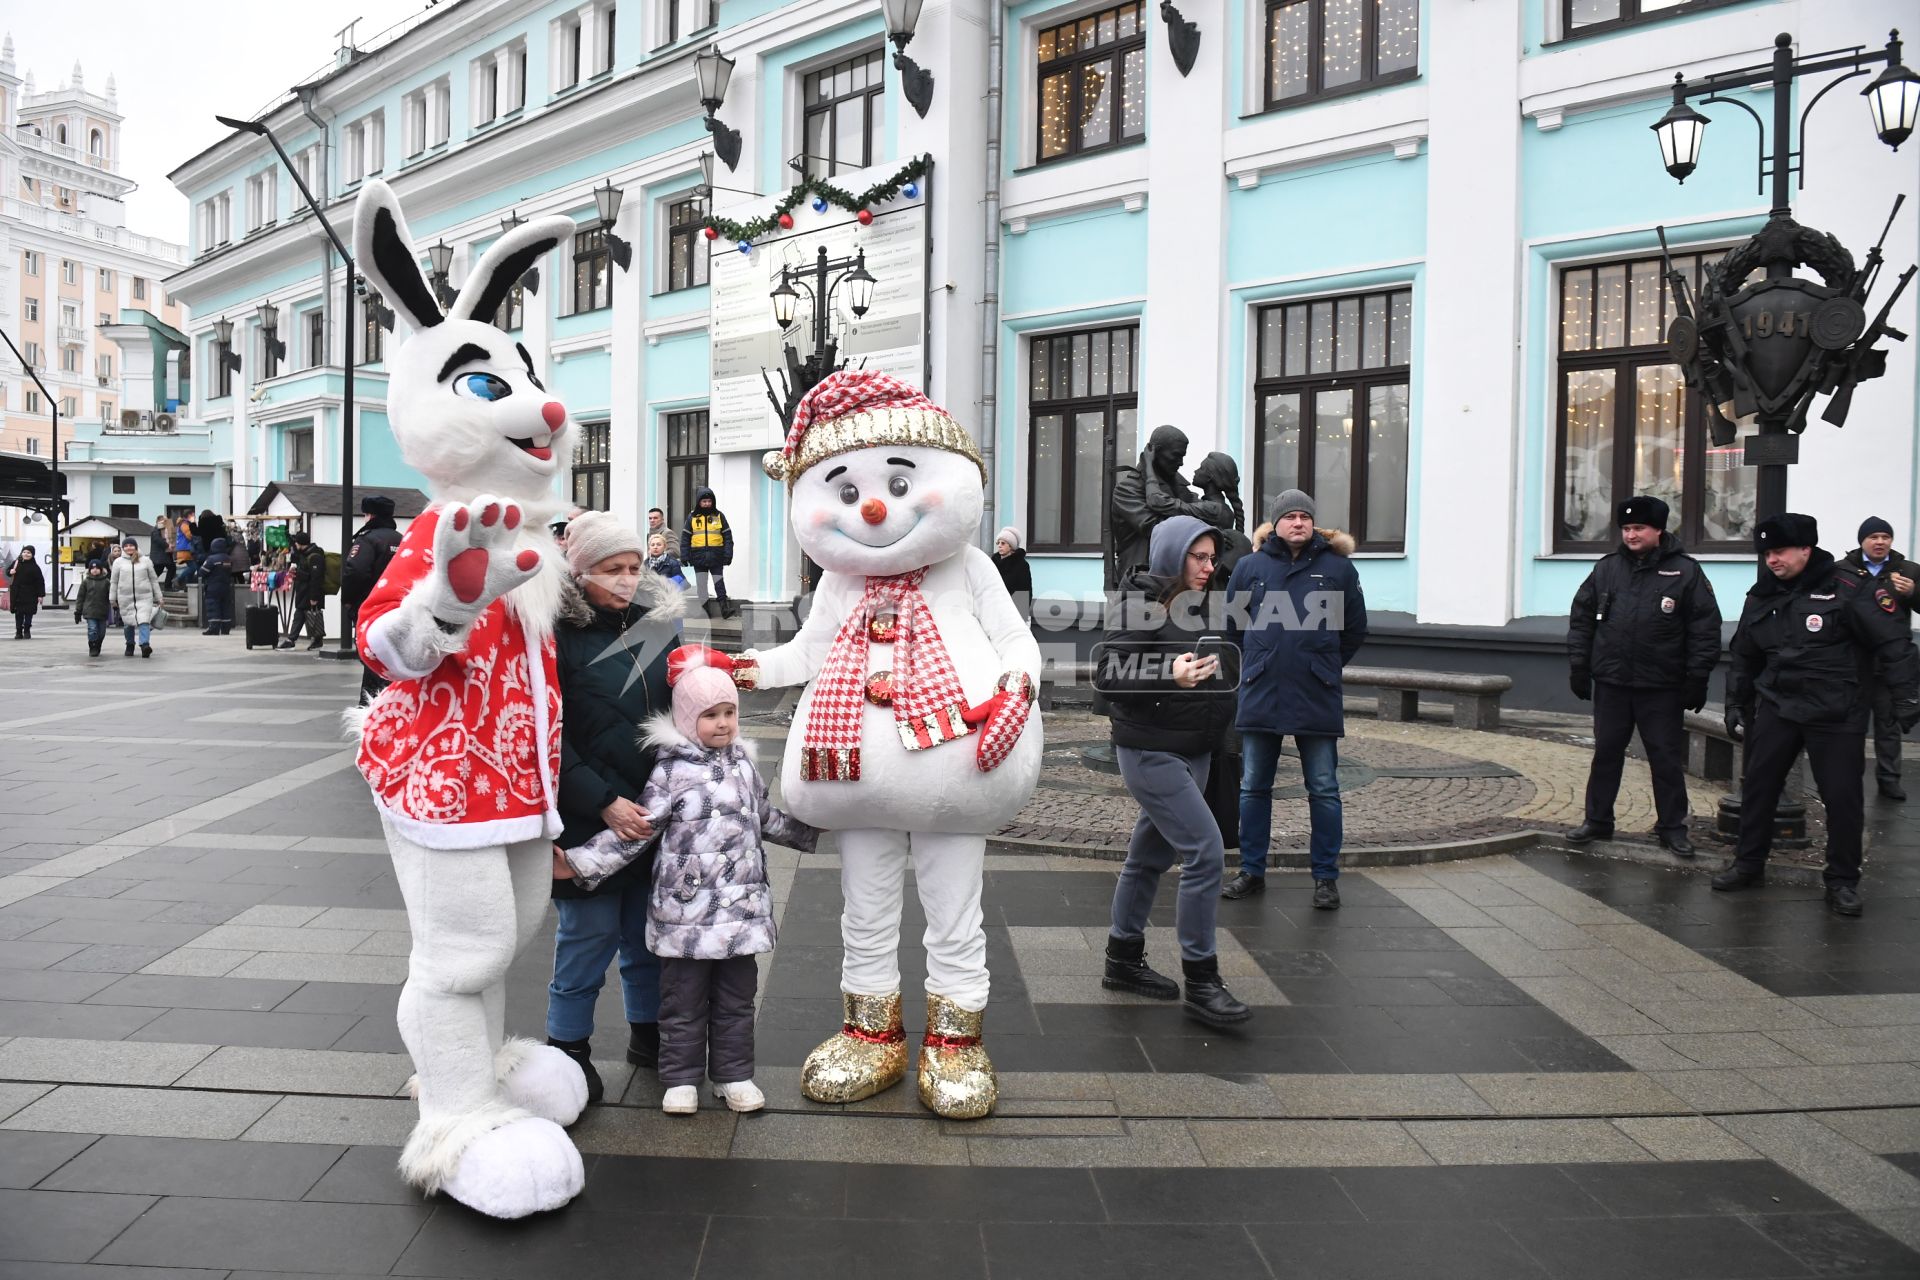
pixel 474 560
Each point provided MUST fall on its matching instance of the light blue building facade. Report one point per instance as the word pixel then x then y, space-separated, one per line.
pixel 1398 252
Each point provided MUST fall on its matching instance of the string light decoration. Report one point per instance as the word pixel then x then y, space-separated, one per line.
pixel 1081 107
pixel 822 194
pixel 1359 41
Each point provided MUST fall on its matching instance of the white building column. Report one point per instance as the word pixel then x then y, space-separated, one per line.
pixel 1469 406
pixel 1182 370
pixel 1852 179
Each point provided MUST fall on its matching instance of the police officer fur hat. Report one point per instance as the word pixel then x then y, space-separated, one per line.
pixel 378 504
pixel 1788 529
pixel 1642 509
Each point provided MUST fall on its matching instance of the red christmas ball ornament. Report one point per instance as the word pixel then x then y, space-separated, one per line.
pixel 711 233
pixel 786 222
pixel 865 217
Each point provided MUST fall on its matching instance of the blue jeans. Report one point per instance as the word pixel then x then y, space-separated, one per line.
pixel 1320 761
pixel 96 632
pixel 591 931
pixel 145 629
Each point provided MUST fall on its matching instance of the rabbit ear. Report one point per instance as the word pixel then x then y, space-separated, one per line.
pixel 504 262
pixel 383 252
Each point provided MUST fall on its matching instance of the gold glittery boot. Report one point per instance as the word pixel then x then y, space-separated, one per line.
pixel 956 1076
pixel 869 1053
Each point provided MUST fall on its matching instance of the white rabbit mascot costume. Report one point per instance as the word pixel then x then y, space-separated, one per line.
pixel 916 737
pixel 462 750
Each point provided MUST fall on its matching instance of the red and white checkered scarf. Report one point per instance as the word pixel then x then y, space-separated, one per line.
pixel 928 701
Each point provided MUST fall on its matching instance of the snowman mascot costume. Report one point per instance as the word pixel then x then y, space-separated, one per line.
pixel 462 749
pixel 916 736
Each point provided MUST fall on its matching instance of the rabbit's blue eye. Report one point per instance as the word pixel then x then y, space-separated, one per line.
pixel 481 386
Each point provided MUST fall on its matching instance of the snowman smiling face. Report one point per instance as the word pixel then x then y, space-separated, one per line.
pixel 886 509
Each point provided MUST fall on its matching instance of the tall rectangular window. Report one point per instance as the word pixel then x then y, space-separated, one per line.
pixel 1331 395
pixel 1083 420
pixel 592 271
pixel 222 372
pixel 1093 82
pixel 1318 48
pixel 31 262
pixel 139 288
pixel 106 280
pixel 686 247
pixel 566 52
pixel 1627 423
pixel 30 309
pixel 513 309
pixel 70 271
pixel 373 339
pixel 844 110
pixel 686 435
pixel 316 338
pixel 603 57
pixel 592 466
pixel 1585 17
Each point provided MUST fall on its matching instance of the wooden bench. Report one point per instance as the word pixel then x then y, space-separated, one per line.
pixel 1476 698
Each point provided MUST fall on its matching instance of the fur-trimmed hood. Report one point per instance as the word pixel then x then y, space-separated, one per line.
pixel 658 733
pixel 661 599
pixel 1338 541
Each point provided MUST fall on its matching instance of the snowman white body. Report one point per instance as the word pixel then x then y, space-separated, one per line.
pixel 939 788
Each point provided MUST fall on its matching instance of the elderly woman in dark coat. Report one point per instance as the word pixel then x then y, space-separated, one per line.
pixel 617 625
pixel 25 587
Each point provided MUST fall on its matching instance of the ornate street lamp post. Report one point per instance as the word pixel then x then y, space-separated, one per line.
pixel 817 284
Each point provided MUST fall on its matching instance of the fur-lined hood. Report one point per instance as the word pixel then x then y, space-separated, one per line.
pixel 1339 541
pixel 658 733
pixel 661 599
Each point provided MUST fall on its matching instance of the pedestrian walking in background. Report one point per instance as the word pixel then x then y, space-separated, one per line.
pixel 92 604
pixel 1010 558
pixel 706 547
pixel 618 623
pixel 374 544
pixel 711 911
pixel 1169 707
pixel 216 593
pixel 134 587
pixel 26 586
pixel 663 562
pixel 183 557
pixel 1876 560
pixel 1299 617
pixel 1642 640
pixel 309 592
pixel 1803 666
pixel 160 547
pixel 657 523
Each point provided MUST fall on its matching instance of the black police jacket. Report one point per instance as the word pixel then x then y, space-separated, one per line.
pixel 1809 647
pixel 1133 673
pixel 1646 622
pixel 1896 563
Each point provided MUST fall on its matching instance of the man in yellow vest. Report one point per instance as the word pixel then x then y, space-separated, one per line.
pixel 706 547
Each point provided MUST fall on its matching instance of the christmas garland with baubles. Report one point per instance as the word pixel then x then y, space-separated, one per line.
pixel 824 195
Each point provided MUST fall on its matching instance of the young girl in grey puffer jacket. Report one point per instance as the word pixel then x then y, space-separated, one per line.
pixel 711 911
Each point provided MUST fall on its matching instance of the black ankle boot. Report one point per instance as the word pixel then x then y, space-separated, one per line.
pixel 1127 970
pixel 581 1052
pixel 1207 997
pixel 643 1044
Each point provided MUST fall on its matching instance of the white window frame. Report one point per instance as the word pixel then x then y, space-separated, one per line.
pixel 69 407
pixel 69 359
pixel 69 271
pixel 567 59
pixel 366 140
pixel 673 21
pixel 33 355
pixel 105 363
pixel 33 446
pixel 505 71
pixel 30 309
pixel 106 279
pixel 139 288
pixel 33 402
pixel 69 315
pixel 32 262
pixel 306 163
pixel 263 199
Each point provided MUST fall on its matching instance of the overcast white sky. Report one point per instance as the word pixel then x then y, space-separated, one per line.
pixel 178 65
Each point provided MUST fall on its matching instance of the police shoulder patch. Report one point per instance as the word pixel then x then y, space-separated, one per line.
pixel 1884 598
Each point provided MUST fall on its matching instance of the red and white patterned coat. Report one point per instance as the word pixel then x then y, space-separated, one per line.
pixel 466 756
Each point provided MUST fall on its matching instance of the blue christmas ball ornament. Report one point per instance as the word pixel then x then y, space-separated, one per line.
pixel 819 204
pixel 911 191
pixel 745 246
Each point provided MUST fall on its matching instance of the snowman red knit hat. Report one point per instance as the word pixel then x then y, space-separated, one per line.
pixel 856 409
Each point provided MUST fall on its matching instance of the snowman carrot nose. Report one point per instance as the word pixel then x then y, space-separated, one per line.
pixel 873 511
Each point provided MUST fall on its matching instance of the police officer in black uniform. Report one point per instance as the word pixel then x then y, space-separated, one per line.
pixel 1642 639
pixel 1804 659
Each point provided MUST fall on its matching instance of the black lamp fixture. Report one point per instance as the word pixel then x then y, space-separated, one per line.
pixel 1183 37
pixel 915 83
pixel 530 278
pixel 1894 98
pixel 223 338
pixel 441 259
pixel 1680 132
pixel 270 332
pixel 606 200
pixel 860 283
pixel 712 70
pixel 818 282
pixel 786 301
pixel 373 304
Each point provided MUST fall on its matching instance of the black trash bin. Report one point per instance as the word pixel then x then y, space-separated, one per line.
pixel 263 625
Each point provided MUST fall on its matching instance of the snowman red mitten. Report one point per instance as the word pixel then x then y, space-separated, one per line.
pixel 1005 716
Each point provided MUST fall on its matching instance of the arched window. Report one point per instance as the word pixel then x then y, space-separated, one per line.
pixel 97 143
pixel 60 134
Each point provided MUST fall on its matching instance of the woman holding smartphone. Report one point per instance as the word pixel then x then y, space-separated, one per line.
pixel 1171 702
